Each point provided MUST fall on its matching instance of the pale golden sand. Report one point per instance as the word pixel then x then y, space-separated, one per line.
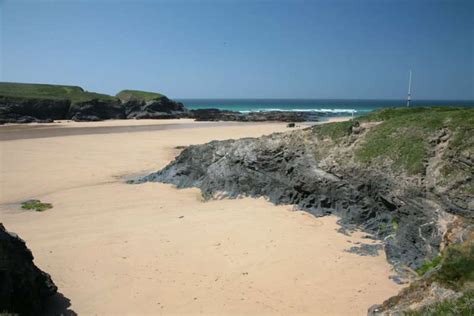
pixel 118 249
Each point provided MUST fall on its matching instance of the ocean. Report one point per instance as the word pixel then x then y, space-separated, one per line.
pixel 326 107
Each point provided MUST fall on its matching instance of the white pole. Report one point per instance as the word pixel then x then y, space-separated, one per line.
pixel 409 90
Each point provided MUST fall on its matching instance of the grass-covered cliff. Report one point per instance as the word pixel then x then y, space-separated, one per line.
pixel 49 91
pixel 403 138
pixel 127 95
pixel 25 102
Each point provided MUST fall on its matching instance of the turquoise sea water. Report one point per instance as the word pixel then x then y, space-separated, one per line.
pixel 329 107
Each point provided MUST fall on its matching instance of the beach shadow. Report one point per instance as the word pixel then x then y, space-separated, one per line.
pixel 58 305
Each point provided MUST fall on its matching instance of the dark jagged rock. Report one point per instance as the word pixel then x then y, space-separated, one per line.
pixel 25 103
pixel 365 250
pixel 23 287
pixel 259 116
pixel 28 110
pixel 321 176
pixel 286 173
pixel 161 108
pixel 96 110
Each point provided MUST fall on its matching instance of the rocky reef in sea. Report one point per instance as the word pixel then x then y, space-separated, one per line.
pixel 402 175
pixel 257 116
pixel 24 288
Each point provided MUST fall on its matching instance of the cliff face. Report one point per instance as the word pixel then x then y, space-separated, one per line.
pixel 161 108
pixel 26 110
pixel 96 110
pixel 403 176
pixel 25 103
pixel 23 287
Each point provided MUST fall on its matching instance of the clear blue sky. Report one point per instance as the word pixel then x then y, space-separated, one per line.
pixel 244 49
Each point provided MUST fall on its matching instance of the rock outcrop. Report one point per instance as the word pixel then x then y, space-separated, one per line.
pixel 27 110
pixel 402 175
pixel 260 116
pixel 25 103
pixel 23 287
pixel 96 110
pixel 160 108
pixel 323 176
pixel 281 168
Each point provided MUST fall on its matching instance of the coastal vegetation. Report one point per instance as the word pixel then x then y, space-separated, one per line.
pixel 404 135
pixel 464 305
pixel 127 95
pixel 457 266
pixel 454 270
pixel 36 205
pixel 74 94
pixel 334 131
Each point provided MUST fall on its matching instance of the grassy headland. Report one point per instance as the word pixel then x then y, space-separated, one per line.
pixel 127 95
pixel 47 91
pixel 403 135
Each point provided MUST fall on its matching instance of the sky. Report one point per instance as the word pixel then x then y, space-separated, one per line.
pixel 360 49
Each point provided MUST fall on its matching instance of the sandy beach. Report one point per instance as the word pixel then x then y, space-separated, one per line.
pixel 150 249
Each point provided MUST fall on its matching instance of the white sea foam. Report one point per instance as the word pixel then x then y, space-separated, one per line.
pixel 334 111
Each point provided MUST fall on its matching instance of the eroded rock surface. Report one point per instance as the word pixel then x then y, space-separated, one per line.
pixel 24 288
pixel 28 110
pixel 96 110
pixel 322 176
pixel 258 116
pixel 162 108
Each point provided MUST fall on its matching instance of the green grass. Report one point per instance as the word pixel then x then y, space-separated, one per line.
pixel 463 306
pixel 394 224
pixel 403 136
pixel 428 265
pixel 391 113
pixel 334 130
pixel 36 205
pixel 455 270
pixel 47 91
pixel 457 266
pixel 126 95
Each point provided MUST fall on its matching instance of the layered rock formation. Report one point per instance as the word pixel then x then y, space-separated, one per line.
pixel 162 108
pixel 285 169
pixel 27 110
pixel 25 103
pixel 404 176
pixel 23 287
pixel 95 110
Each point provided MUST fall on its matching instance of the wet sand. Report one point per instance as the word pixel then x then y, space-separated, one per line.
pixel 150 249
pixel 59 129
